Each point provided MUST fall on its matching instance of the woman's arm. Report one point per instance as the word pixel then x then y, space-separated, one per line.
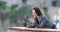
pixel 43 21
pixel 31 23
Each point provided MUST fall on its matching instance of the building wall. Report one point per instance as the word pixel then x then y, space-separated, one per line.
pixel 58 2
pixel 52 12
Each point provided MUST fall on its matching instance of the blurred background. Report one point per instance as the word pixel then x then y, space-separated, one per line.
pixel 13 12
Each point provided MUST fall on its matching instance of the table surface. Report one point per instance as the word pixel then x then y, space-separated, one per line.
pixel 32 29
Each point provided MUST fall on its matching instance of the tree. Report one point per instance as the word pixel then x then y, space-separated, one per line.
pixel 13 15
pixel 2 9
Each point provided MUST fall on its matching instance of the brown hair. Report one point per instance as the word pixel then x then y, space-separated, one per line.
pixel 38 11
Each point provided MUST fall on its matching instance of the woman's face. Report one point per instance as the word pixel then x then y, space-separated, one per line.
pixel 34 13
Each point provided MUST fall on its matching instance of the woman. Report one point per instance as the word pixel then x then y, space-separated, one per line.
pixel 39 20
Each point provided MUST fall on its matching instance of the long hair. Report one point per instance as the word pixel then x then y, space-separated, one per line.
pixel 38 11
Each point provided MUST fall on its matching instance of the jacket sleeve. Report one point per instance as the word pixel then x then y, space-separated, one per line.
pixel 42 23
pixel 30 25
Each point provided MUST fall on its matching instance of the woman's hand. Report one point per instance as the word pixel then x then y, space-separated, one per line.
pixel 31 20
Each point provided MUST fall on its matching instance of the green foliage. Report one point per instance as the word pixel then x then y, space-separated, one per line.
pixel 2 3
pixel 7 10
pixel 14 8
pixel 2 6
pixel 24 10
